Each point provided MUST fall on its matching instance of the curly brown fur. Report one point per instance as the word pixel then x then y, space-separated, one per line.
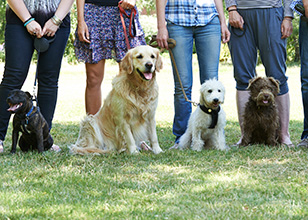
pixel 261 119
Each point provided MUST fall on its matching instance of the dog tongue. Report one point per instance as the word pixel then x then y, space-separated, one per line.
pixel 265 101
pixel 148 75
pixel 13 107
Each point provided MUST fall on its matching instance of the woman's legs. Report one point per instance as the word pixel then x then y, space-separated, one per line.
pixel 93 97
pixel 49 65
pixel 18 54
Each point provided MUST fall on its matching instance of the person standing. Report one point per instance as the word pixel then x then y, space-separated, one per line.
pixel 303 48
pixel 263 26
pixel 191 22
pixel 100 36
pixel 26 20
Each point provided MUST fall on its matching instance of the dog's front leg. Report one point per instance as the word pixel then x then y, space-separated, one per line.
pixel 39 139
pixel 220 140
pixel 14 140
pixel 129 138
pixel 197 142
pixel 153 138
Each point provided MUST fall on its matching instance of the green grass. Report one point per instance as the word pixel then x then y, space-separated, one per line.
pixel 256 182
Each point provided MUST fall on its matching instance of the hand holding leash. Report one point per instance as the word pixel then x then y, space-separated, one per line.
pixel 171 44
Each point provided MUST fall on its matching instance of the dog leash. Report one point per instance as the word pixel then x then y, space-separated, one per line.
pixel 131 21
pixel 172 44
pixel 41 45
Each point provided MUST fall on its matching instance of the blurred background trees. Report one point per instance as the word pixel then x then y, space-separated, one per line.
pixel 148 20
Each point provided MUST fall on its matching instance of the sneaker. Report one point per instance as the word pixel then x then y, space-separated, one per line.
pixel 303 143
pixel 1 146
pixel 55 148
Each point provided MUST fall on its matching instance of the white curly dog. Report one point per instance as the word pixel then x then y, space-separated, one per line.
pixel 206 124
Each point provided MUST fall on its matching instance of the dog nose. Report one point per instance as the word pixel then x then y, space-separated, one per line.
pixel 149 65
pixel 266 96
pixel 216 100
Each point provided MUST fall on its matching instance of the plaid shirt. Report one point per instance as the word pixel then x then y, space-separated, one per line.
pixel 190 12
pixel 292 6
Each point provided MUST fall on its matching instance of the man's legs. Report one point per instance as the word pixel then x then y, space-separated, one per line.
pixel 241 100
pixel 303 45
pixel 273 55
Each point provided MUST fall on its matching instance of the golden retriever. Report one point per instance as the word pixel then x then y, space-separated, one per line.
pixel 127 118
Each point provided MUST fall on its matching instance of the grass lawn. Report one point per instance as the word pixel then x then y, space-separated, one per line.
pixel 256 182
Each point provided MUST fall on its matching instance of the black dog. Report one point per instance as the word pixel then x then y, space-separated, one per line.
pixel 30 122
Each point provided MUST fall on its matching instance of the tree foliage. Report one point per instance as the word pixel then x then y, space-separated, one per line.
pixel 148 7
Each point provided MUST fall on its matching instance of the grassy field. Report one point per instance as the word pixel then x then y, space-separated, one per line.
pixel 256 182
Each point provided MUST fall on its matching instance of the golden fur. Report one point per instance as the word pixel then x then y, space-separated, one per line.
pixel 127 116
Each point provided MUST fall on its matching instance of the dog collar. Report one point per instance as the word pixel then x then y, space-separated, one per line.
pixel 29 113
pixel 26 119
pixel 213 113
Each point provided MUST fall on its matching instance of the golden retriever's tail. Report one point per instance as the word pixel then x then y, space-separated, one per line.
pixel 74 149
pixel 90 139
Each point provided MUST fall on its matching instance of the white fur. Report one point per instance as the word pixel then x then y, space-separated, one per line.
pixel 198 134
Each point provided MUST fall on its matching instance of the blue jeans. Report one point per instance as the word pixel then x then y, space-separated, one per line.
pixel 207 42
pixel 18 54
pixel 303 46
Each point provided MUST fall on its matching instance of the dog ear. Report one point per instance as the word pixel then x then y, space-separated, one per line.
pixel 275 83
pixel 29 95
pixel 159 61
pixel 126 64
pixel 253 80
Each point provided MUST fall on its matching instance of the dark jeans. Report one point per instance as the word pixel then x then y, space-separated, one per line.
pixel 303 45
pixel 18 54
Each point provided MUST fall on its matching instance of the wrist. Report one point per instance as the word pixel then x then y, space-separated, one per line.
pixel 232 8
pixel 288 18
pixel 29 20
pixel 57 21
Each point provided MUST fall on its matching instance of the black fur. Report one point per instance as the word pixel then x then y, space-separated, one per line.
pixel 34 128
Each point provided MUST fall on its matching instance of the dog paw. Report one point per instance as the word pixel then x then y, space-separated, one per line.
pixel 157 150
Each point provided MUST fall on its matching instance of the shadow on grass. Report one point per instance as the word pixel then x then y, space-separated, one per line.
pixel 252 181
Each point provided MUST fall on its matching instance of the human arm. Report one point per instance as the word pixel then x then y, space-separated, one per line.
pixel 286 26
pixel 82 27
pixel 225 34
pixel 162 32
pixel 235 19
pixel 128 4
pixel 50 27
pixel 305 3
pixel 20 9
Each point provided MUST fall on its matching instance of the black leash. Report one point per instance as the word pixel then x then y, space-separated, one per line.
pixel 41 45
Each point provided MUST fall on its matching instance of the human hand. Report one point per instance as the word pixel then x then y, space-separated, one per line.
pixel 50 28
pixel 34 29
pixel 128 4
pixel 83 32
pixel 225 33
pixel 286 28
pixel 162 37
pixel 236 20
